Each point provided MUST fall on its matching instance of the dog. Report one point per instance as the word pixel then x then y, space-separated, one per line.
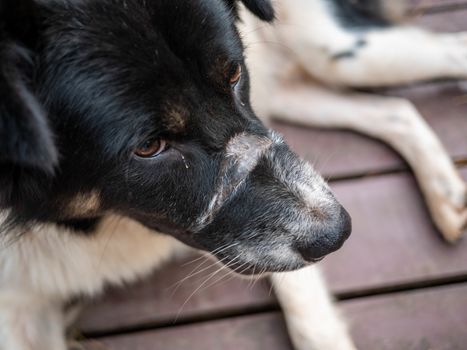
pixel 320 52
pixel 127 135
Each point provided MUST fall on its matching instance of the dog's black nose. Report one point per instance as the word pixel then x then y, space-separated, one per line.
pixel 328 238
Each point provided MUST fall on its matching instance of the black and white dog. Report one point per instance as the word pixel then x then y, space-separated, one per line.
pixel 120 119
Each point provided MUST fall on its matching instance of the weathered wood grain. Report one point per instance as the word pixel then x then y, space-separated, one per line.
pixel 435 3
pixel 418 320
pixel 393 239
pixel 161 299
pixel 256 332
pixel 421 320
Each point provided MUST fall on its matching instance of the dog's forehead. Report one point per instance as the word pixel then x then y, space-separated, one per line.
pixel 195 29
pixel 136 56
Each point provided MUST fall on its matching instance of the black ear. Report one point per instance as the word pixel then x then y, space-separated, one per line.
pixel 262 9
pixel 25 138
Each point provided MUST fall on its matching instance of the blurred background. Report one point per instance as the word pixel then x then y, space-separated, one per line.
pixel 399 285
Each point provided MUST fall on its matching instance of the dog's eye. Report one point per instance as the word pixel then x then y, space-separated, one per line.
pixel 151 148
pixel 235 75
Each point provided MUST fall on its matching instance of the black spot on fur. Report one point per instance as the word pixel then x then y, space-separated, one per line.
pixel 343 54
pixel 84 226
pixel 261 8
pixel 351 53
pixel 359 14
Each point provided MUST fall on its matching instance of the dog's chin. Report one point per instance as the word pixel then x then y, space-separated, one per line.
pixel 261 268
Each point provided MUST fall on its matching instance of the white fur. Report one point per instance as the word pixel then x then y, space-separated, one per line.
pixel 44 267
pixel 49 261
pixel 312 320
pixel 243 152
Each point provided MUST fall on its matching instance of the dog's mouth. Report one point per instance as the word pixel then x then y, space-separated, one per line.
pixel 261 266
pixel 182 234
pixel 244 263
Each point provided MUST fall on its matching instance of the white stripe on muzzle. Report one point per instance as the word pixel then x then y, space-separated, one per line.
pixel 242 154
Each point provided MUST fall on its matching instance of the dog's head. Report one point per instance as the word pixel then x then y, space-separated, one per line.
pixel 148 105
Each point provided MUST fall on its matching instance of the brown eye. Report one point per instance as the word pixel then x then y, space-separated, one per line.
pixel 151 148
pixel 235 75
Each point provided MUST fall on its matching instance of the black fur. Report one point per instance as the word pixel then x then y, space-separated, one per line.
pixel 350 53
pixel 262 8
pixel 360 14
pixel 107 76
pixel 27 151
pixel 87 225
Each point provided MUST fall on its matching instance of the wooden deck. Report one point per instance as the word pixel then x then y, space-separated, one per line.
pixel 398 284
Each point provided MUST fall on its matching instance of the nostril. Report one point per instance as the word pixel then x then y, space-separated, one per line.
pixel 327 239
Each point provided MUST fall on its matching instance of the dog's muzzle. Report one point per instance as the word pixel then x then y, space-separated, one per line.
pixel 272 206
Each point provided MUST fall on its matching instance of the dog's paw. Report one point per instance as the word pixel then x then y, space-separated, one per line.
pixel 456 50
pixel 454 225
pixel 450 214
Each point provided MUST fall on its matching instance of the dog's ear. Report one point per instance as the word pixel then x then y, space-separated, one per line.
pixel 262 9
pixel 25 138
pixel 17 20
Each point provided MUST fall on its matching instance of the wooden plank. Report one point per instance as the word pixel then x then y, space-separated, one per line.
pixel 421 320
pixel 161 299
pixel 423 4
pixel 340 153
pixel 265 331
pixel 393 239
pixel 452 21
pixel 393 243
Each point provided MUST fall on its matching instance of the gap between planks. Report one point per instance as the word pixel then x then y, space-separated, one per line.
pixel 268 307
pixel 399 169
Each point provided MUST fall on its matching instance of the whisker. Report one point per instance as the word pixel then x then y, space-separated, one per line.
pixel 192 274
pixel 201 286
pixel 117 219
pixel 230 275
pixel 215 251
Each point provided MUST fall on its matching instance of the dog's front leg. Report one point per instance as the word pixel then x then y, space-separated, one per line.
pixel 30 322
pixel 312 319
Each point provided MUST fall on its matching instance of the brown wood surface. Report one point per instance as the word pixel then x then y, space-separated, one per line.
pixel 255 332
pixel 393 239
pixel 442 104
pixel 431 319
pixel 436 3
pixel 418 320
pixel 160 299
